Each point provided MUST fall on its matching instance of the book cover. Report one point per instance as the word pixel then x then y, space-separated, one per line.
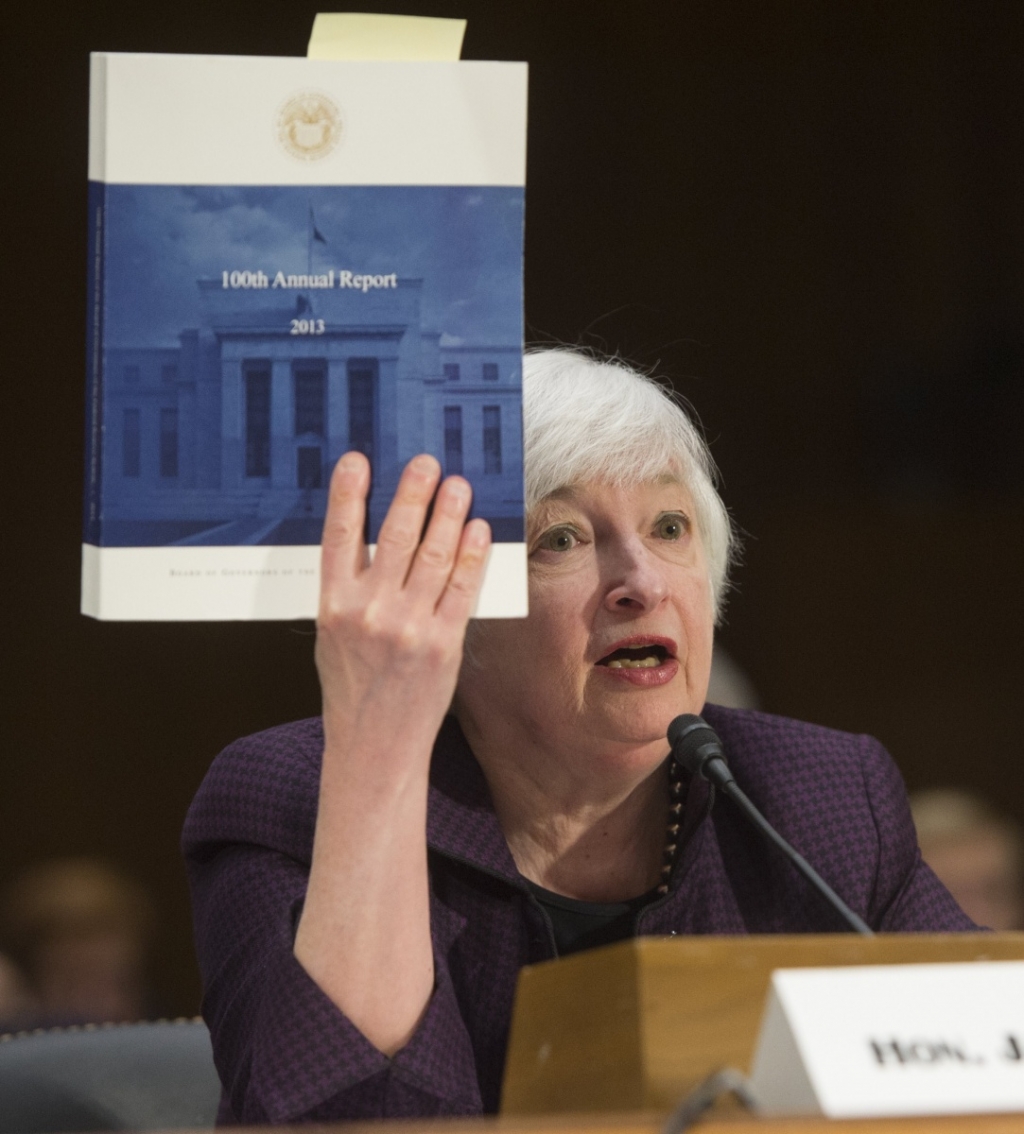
pixel 290 258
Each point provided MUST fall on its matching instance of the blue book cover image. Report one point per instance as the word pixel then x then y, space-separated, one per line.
pixel 243 338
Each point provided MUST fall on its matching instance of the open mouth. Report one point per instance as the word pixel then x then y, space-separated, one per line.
pixel 636 657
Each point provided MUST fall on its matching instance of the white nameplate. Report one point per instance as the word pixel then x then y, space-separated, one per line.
pixel 885 1040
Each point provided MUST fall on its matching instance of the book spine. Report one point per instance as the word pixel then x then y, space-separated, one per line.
pixel 94 365
pixel 91 519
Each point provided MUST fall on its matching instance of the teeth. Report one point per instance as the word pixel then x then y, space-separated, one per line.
pixel 634 663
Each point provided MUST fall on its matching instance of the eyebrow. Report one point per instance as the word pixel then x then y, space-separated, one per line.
pixel 570 491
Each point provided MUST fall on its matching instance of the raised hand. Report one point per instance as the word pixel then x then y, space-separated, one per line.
pixel 390 632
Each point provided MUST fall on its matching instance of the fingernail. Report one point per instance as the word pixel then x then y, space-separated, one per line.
pixel 458 490
pixel 350 462
pixel 479 533
pixel 423 463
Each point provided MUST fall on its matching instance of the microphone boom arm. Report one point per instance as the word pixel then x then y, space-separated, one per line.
pixel 733 790
pixel 698 750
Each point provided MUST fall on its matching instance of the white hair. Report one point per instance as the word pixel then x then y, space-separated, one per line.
pixel 586 418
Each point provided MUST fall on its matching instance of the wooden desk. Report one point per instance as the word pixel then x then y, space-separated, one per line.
pixel 633 1027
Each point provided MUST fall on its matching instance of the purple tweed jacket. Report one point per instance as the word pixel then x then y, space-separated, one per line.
pixel 285 1053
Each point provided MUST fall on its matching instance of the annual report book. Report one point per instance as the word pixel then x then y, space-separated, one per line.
pixel 289 259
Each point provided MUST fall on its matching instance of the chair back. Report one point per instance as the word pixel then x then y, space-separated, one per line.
pixel 145 1076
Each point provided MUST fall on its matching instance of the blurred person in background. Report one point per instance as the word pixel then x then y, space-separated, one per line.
pixel 976 853
pixel 79 928
pixel 729 685
pixel 17 1005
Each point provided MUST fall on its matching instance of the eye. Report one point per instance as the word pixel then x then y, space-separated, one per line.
pixel 558 539
pixel 672 526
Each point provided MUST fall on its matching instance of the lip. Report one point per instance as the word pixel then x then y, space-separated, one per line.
pixel 667 644
pixel 643 678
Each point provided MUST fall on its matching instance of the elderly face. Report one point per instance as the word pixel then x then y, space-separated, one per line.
pixel 619 636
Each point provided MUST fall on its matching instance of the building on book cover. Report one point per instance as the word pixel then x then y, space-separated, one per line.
pixel 278 302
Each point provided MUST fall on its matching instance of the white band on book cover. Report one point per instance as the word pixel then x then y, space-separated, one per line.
pixel 213 120
pixel 219 584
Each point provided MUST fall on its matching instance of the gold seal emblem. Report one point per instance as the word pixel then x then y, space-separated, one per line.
pixel 309 125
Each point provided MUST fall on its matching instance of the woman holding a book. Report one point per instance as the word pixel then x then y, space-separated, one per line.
pixel 479 796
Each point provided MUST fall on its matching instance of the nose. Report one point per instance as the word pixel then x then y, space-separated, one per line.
pixel 636 578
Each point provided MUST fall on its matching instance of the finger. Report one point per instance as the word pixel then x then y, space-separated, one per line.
pixel 460 595
pixel 403 525
pixel 435 557
pixel 342 550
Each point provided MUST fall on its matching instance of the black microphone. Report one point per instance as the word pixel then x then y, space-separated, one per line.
pixel 698 750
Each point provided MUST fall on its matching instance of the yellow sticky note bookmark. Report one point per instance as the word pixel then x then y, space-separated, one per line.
pixel 361 35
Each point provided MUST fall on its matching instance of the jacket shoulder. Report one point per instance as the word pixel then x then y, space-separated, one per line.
pixel 782 750
pixel 840 799
pixel 768 728
pixel 262 789
pixel 824 790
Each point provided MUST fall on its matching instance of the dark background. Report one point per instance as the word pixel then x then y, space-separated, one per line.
pixel 807 213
